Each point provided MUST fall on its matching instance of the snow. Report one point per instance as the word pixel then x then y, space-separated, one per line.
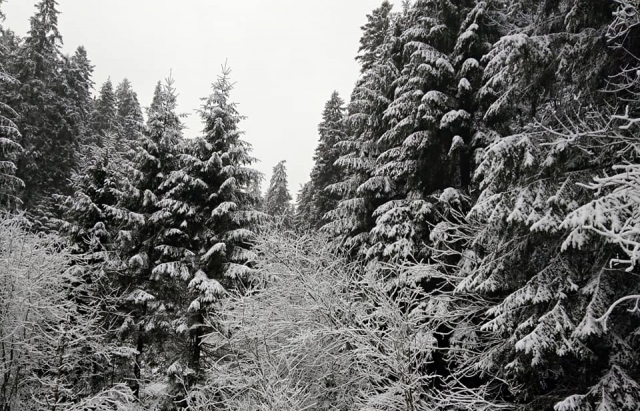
pixel 218 248
pixel 454 117
pixel 209 289
pixel 238 271
pixel 469 66
pixel 139 261
pixel 224 209
pixel 464 85
pixel 139 297
pixel 456 143
pixel 172 269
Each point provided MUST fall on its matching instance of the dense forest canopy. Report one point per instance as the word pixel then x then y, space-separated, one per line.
pixel 468 238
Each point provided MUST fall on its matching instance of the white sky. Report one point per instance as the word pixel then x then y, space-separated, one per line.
pixel 287 57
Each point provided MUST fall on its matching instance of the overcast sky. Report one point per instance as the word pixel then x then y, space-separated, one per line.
pixel 287 56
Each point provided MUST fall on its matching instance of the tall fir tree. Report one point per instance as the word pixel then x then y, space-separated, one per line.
pixel 277 200
pixel 530 277
pixel 373 36
pixel 79 71
pixel 10 149
pixel 48 122
pixel 325 172
pixel 105 116
pixel 305 207
pixel 209 217
pixel 49 133
pixel 130 119
pixel 360 195
pixel 413 159
pixel 153 299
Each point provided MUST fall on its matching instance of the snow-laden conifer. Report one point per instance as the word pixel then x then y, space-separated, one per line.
pixel 325 172
pixel 277 200
pixel 208 214
pixel 130 120
pixel 153 301
pixel 48 122
pixel 105 116
pixel 351 219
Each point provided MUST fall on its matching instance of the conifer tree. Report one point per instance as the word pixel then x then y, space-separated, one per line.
pixel 208 214
pixel 277 200
pixel 130 120
pixel 10 184
pixel 105 116
pixel 325 171
pixel 256 191
pixel 305 207
pixel 153 299
pixel 531 273
pixel 360 195
pixel 86 221
pixel 48 124
pixel 155 102
pixel 10 149
pixel 415 140
pixel 373 36
pixel 79 70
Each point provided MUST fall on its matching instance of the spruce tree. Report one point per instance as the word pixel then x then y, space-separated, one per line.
pixel 373 36
pixel 208 214
pixel 305 207
pixel 78 71
pixel 85 220
pixel 105 116
pixel 10 184
pixel 48 124
pixel 325 171
pixel 277 200
pixel 359 193
pixel 153 301
pixel 532 276
pixel 130 120
pixel 413 149
pixel 10 149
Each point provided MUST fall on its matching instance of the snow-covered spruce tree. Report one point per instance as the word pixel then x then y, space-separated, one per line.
pixel 153 297
pixel 374 33
pixel 86 221
pixel 414 146
pixel 157 93
pixel 10 149
pixel 325 172
pixel 477 32
pixel 256 191
pixel 417 142
pixel 116 125
pixel 352 219
pixel 105 116
pixel 277 200
pixel 130 120
pixel 304 207
pixel 539 344
pixel 612 217
pixel 534 53
pixel 10 184
pixel 208 213
pixel 48 122
pixel 78 71
pixel 89 226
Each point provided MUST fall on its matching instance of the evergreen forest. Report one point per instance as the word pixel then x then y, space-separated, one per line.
pixel 468 239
